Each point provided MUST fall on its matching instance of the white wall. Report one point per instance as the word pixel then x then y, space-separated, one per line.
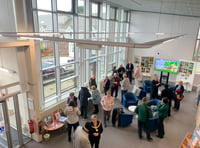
pixel 7 23
pixel 145 25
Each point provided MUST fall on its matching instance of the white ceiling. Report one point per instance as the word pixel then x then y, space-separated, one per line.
pixel 178 7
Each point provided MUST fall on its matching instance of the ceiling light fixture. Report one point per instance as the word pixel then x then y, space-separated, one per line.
pixel 160 33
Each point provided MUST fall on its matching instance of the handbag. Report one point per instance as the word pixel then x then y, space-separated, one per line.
pixel 179 97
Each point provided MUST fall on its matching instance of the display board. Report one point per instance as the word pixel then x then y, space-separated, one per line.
pixel 186 67
pixel 186 74
pixel 146 64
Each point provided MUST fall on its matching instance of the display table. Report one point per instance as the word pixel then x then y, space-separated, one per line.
pixel 53 126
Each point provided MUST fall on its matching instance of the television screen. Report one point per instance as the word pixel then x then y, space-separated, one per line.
pixel 165 65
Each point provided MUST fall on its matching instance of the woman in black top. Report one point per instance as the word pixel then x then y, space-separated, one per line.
pixel 154 89
pixel 179 89
pixel 95 131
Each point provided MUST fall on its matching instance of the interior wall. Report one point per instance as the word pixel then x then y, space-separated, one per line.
pixel 7 23
pixel 144 27
pixel 8 60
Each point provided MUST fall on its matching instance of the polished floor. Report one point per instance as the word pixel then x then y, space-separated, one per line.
pixel 176 127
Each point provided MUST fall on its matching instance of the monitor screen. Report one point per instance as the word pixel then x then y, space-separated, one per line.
pixel 166 65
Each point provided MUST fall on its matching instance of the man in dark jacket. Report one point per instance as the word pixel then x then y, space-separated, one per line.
pixel 121 70
pixel 129 71
pixel 170 95
pixel 83 96
pixel 162 113
pixel 144 113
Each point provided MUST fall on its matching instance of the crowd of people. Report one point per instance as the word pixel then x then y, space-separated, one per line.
pixel 89 135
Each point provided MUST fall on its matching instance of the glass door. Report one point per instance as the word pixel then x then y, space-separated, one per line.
pixel 13 122
pixel 92 68
pixel 5 136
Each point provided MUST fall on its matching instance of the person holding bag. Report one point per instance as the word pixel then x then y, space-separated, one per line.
pixel 179 89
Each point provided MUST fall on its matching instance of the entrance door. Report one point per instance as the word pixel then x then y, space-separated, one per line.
pixel 13 131
pixel 92 67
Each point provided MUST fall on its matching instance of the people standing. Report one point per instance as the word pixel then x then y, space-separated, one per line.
pixel 92 82
pixel 95 131
pixel 129 71
pixel 81 139
pixel 72 97
pixel 107 103
pixel 121 70
pixel 162 114
pixel 166 92
pixel 72 112
pixel 125 84
pixel 83 96
pixel 96 97
pixel 154 88
pixel 114 70
pixel 179 89
pixel 137 75
pixel 106 84
pixel 114 84
pixel 144 113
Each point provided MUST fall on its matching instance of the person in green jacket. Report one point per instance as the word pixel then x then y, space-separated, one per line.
pixel 144 113
pixel 162 108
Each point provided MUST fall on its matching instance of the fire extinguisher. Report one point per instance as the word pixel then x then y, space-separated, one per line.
pixel 40 127
pixel 31 126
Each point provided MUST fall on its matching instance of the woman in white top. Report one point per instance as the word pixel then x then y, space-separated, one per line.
pixel 72 112
pixel 137 75
pixel 125 83
pixel 107 103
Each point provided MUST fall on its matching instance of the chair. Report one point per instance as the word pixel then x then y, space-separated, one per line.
pixel 129 99
pixel 147 84
pixel 142 94
pixel 123 119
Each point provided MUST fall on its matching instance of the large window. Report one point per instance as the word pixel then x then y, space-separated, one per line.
pixel 94 29
pixel 44 4
pixel 196 55
pixel 112 13
pixel 45 21
pixel 64 5
pixel 95 9
pixel 81 7
pixel 81 27
pixel 65 24
pixel 48 68
pixel 66 67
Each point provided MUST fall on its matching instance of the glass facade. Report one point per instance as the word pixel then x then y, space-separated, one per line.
pixel 65 66
pixel 196 55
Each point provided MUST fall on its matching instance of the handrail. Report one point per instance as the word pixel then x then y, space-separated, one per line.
pixel 9 85
pixel 2 98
